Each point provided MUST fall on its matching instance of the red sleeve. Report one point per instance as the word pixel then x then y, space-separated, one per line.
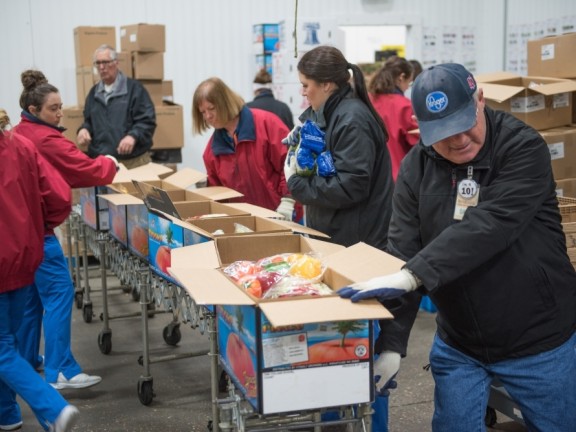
pixel 210 165
pixel 55 192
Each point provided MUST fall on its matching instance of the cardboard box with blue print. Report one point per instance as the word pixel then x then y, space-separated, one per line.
pixel 289 353
pixel 542 103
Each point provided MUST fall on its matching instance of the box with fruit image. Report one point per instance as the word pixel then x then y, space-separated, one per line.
pixel 308 351
pixel 117 222
pixel 94 210
pixel 280 369
pixel 163 236
pixel 137 227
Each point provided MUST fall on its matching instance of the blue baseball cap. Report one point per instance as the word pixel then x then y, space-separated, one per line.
pixel 443 102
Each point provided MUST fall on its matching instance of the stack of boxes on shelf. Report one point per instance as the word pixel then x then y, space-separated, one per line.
pixel 145 45
pixel 141 56
pixel 292 44
pixel 264 42
pixel 554 57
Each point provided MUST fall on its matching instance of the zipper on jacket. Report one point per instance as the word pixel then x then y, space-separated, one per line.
pixel 453 178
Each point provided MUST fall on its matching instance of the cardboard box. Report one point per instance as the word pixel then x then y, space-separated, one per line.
pixel 169 126
pixel 285 67
pixel 72 119
pixel 154 89
pixel 265 38
pixel 94 209
pixel 562 145
pixel 148 65
pixel 542 103
pixel 553 56
pixel 87 39
pixel 283 371
pixel 168 91
pixel 566 188
pixel 143 38
pixel 85 80
pixel 125 63
pixel 263 61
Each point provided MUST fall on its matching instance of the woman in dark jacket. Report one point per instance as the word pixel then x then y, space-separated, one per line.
pixel 355 204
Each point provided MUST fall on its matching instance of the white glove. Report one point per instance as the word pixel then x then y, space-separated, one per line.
pixel 382 288
pixel 293 137
pixel 386 367
pixel 115 161
pixel 289 166
pixel 286 208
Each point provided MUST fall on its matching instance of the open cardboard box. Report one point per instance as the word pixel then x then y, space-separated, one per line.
pixel 94 209
pixel 294 353
pixel 540 102
pixel 198 269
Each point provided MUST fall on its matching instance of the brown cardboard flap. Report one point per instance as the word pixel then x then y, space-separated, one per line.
pixel 185 177
pixel 360 262
pixel 301 229
pixel 331 308
pixel 217 193
pixel 256 210
pixel 499 92
pixel 214 289
pixel 548 88
pixel 121 199
pixel 202 255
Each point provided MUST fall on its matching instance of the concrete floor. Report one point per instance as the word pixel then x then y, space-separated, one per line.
pixel 182 387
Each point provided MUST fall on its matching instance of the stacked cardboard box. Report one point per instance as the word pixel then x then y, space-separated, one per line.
pixel 553 57
pixel 146 44
pixel 568 212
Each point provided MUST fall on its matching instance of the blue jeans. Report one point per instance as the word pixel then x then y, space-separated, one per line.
pixel 53 296
pixel 542 385
pixel 17 375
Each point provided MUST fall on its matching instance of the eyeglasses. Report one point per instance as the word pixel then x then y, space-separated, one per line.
pixel 104 63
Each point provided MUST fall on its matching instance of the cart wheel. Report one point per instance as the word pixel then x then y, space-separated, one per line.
pixel 79 299
pixel 490 418
pixel 141 360
pixel 209 425
pixel 105 342
pixel 145 392
pixel 151 307
pixel 136 294
pixel 171 334
pixel 87 313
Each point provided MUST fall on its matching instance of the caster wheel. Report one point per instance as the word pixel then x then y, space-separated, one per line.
pixel 79 299
pixel 151 307
pixel 105 342
pixel 126 289
pixel 141 360
pixel 136 295
pixel 145 392
pixel 87 313
pixel 209 425
pixel 490 418
pixel 171 334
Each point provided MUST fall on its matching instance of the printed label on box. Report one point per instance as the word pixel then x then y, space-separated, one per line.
pixel 527 104
pixel 285 349
pixel 547 52
pixel 556 150
pixel 561 100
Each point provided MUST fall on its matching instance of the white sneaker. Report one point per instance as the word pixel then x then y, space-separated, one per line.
pixel 65 420
pixel 79 381
pixel 11 427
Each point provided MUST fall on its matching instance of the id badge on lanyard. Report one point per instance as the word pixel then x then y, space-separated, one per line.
pixel 467 194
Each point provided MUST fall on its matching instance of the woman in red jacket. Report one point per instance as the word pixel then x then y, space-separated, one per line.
pixel 53 295
pixel 32 197
pixel 386 90
pixel 245 152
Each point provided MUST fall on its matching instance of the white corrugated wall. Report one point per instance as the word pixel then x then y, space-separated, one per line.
pixel 213 38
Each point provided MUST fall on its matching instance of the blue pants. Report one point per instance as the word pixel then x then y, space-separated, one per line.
pixel 16 375
pixel 542 385
pixel 52 298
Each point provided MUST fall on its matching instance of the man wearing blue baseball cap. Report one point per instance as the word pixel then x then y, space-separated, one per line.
pixel 476 219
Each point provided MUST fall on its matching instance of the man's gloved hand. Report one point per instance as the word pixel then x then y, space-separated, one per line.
pixel 381 288
pixel 386 367
pixel 293 137
pixel 115 161
pixel 289 166
pixel 286 208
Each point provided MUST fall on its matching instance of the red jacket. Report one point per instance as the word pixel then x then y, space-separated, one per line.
pixel 33 197
pixel 255 165
pixel 396 112
pixel 77 169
